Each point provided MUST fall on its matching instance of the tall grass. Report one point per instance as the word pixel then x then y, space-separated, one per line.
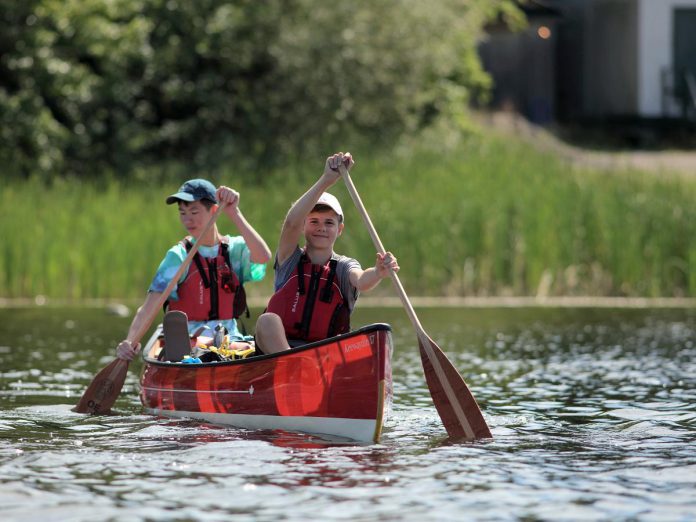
pixel 488 216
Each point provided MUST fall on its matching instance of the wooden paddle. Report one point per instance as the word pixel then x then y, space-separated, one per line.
pixel 454 402
pixel 106 385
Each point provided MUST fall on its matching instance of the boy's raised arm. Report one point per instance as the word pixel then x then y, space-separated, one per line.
pixel 258 249
pixel 294 220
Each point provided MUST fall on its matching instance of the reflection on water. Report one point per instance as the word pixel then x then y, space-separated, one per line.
pixel 592 412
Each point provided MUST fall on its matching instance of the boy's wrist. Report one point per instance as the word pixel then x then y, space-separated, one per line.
pixel 233 212
pixel 330 178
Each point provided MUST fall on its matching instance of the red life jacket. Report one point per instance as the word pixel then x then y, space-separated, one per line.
pixel 211 289
pixel 310 303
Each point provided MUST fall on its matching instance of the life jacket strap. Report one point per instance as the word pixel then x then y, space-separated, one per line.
pixel 199 263
pixel 314 280
pixel 300 274
pixel 214 312
pixel 327 292
pixel 239 306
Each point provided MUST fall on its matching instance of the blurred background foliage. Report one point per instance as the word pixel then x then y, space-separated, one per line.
pixel 97 88
pixel 106 106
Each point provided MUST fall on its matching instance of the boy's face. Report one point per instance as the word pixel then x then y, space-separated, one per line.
pixel 194 216
pixel 322 228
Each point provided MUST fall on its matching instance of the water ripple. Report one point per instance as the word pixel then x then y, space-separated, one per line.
pixel 593 417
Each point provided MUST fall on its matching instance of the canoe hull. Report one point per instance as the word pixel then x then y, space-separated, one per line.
pixel 340 387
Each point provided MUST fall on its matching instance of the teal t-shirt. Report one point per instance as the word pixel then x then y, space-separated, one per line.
pixel 240 258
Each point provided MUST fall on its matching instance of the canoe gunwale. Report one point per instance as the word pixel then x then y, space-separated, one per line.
pixel 374 327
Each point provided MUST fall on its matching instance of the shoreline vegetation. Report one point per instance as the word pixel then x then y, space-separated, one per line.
pixel 475 216
pixel 475 205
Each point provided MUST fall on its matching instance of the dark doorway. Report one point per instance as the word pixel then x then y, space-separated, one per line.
pixel 685 58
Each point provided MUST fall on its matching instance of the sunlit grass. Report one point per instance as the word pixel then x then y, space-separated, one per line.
pixel 487 217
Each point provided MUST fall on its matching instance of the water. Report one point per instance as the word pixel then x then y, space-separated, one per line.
pixel 593 414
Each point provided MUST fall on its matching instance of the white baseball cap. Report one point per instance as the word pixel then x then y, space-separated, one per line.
pixel 330 201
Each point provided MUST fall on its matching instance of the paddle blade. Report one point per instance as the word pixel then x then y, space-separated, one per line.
pixel 102 393
pixel 454 402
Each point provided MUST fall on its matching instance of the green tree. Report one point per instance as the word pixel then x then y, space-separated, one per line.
pixel 89 86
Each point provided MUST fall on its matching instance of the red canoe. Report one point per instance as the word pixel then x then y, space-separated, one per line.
pixel 340 386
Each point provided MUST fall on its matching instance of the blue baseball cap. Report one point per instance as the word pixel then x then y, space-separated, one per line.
pixel 194 190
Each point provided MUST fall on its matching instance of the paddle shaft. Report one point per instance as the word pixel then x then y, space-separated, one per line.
pixel 380 248
pixel 147 322
pixel 425 342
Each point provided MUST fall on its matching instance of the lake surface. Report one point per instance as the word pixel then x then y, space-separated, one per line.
pixel 593 413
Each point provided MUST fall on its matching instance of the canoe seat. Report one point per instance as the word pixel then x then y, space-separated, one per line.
pixel 177 342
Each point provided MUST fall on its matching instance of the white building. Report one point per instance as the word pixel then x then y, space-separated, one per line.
pixel 638 57
pixel 599 59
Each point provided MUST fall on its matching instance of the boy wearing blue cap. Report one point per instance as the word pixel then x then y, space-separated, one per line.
pixel 210 292
pixel 315 288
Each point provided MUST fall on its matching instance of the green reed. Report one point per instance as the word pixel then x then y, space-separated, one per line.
pixel 487 216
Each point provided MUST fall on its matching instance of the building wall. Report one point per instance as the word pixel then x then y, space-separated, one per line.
pixel 570 79
pixel 606 58
pixel 611 58
pixel 655 26
pixel 522 66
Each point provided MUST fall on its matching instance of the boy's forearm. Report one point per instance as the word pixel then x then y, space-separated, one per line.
pixel 368 280
pixel 145 313
pixel 258 249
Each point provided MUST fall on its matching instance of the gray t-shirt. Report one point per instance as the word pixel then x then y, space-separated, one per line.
pixel 345 265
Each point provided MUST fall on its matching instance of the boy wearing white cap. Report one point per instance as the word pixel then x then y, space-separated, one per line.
pixel 315 288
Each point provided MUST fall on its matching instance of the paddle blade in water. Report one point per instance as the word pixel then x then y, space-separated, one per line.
pixel 102 393
pixel 456 405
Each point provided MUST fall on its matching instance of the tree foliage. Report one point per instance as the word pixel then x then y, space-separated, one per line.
pixel 88 86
